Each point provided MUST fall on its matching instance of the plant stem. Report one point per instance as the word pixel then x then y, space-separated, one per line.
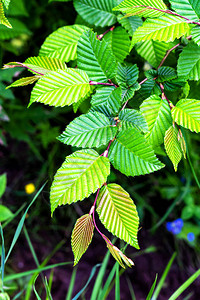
pixel 169 51
pixel 170 13
pixel 102 83
pixel 99 37
pixel 165 97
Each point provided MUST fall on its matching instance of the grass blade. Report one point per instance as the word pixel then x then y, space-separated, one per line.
pixel 71 285
pixel 87 283
pixel 162 280
pixel 104 292
pixel 152 289
pixel 21 223
pixel 117 284
pixel 185 285
pixel 48 293
pixel 2 256
pixel 30 272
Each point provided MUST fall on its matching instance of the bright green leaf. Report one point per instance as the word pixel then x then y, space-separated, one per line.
pixel 164 29
pixel 132 118
pixel 172 146
pixel 187 8
pixel 157 114
pixel 187 114
pixel 130 23
pixel 5 213
pixel 3 19
pixel 119 41
pixel 95 58
pixel 62 43
pixel 142 7
pixel 132 155
pixel 81 174
pixel 196 34
pixel 44 64
pixel 89 130
pixel 61 88
pixel 189 62
pixel 82 236
pixel 118 213
pixel 24 81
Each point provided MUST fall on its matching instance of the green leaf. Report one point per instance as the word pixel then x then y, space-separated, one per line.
pixel 24 81
pixel 127 75
pixel 189 62
pixel 142 7
pixel 98 13
pixel 3 181
pixel 95 58
pixel 62 43
pixel 6 3
pixel 81 174
pixel 109 97
pixel 166 74
pixel 3 19
pixel 5 213
pixel 132 155
pixel 187 8
pixel 44 64
pixel 17 8
pixel 196 34
pixel 119 41
pixel 17 29
pixel 82 236
pixel 172 146
pixel 157 114
pixel 61 88
pixel 164 29
pixel 130 23
pixel 118 213
pixel 187 114
pixel 89 130
pixel 132 118
pixel 152 51
pixel 59 1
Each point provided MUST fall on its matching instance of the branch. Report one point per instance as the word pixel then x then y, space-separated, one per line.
pixel 102 83
pixel 100 36
pixel 170 50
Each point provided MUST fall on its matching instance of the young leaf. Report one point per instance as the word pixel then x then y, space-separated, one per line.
pixel 44 64
pixel 152 51
pixel 61 88
pixel 89 130
pixel 118 255
pixel 119 41
pixel 118 213
pixel 109 97
pixel 24 81
pixel 142 8
pixel 62 43
pixel 164 29
pixel 130 23
pixel 187 8
pixel 189 62
pixel 95 58
pixel 172 146
pixel 81 174
pixel 132 155
pixel 98 13
pixel 132 118
pixel 187 114
pixel 3 19
pixel 5 213
pixel 82 236
pixel 158 117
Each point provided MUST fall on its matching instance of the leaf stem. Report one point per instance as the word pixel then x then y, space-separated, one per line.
pixel 100 36
pixel 102 83
pixel 170 50
pixel 165 97
pixel 170 12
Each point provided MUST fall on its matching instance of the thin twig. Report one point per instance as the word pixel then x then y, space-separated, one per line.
pixel 102 83
pixel 100 36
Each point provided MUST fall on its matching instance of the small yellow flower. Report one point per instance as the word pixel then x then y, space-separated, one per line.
pixel 30 188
